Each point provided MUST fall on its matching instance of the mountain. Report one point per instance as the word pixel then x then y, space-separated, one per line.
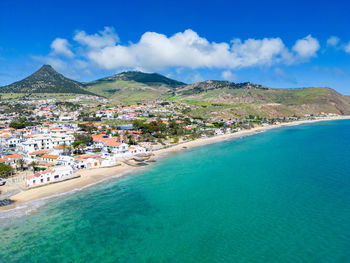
pixel 45 80
pixel 205 86
pixel 133 86
pixel 223 98
pixel 150 79
pixel 211 98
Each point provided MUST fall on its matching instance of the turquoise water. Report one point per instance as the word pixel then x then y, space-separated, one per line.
pixel 279 196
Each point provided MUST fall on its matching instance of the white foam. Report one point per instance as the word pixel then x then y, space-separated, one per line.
pixel 26 208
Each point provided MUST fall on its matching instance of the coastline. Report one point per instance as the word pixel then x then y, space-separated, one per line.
pixel 89 177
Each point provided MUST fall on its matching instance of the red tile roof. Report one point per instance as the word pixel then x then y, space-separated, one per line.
pixel 59 147
pixel 39 152
pixel 13 156
pixel 82 157
pixel 50 156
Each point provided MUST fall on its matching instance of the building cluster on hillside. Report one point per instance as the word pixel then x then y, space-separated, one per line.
pixel 50 147
pixel 56 138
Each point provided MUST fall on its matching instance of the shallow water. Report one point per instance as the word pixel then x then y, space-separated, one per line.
pixel 279 196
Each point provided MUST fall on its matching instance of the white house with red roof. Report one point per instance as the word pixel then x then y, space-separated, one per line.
pixel 58 173
pixel 92 161
pixel 11 159
pixel 115 147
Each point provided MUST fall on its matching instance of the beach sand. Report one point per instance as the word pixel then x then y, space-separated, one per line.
pixel 92 176
pixel 87 177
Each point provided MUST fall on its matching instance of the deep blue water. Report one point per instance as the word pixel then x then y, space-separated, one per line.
pixel 279 196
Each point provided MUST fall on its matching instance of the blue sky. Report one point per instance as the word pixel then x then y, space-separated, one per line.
pixel 282 44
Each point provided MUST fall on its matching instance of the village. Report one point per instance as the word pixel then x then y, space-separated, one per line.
pixel 48 141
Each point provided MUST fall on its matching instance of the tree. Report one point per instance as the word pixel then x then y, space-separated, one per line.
pixel 187 121
pixel 69 149
pixel 87 128
pixel 131 140
pixel 21 163
pixel 82 138
pixel 5 170
pixel 34 165
pixel 66 148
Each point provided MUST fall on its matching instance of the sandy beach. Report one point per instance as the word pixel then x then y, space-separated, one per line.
pixel 90 177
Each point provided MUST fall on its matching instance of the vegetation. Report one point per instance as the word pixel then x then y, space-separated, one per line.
pixel 127 92
pixel 87 128
pixel 45 80
pixel 22 123
pixel 155 126
pixel 150 79
pixel 21 164
pixel 70 106
pixel 81 140
pixel 212 97
pixel 5 170
pixel 34 166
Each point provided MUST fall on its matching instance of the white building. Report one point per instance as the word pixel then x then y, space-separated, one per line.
pixel 49 176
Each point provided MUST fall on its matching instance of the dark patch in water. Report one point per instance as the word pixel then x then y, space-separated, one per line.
pixel 6 202
pixel 141 164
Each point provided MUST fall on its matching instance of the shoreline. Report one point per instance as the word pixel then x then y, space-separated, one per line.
pixel 90 177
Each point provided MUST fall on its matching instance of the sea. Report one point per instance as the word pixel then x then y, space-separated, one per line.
pixel 282 195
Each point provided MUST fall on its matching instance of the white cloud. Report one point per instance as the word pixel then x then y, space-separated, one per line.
pixel 104 38
pixel 60 46
pixel 186 49
pixel 347 47
pixel 336 42
pixel 333 41
pixel 228 75
pixel 306 47
pixel 253 52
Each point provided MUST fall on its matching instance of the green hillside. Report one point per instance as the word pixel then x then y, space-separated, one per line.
pixel 150 79
pixel 242 99
pixel 127 92
pixel 213 98
pixel 133 87
pixel 45 80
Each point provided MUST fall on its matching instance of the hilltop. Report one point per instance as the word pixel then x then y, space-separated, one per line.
pixel 45 80
pixel 205 86
pixel 133 86
pixel 241 99
pixel 150 79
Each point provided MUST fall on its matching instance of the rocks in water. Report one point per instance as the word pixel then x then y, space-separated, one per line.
pixel 5 202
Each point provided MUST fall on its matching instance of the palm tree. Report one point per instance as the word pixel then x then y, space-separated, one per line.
pixel 69 149
pixel 34 165
pixel 82 147
pixel 66 148
pixel 21 163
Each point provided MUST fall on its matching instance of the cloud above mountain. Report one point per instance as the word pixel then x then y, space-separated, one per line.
pixel 306 47
pixel 104 38
pixel 60 46
pixel 155 51
pixel 333 41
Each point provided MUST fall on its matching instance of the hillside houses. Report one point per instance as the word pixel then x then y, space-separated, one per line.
pixel 46 141
pixel 11 159
pixel 58 138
